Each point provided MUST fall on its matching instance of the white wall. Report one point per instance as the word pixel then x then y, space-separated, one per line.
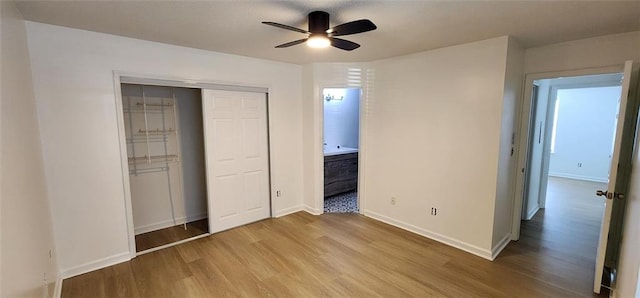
pixel 591 53
pixel 27 235
pixel 75 95
pixel 584 133
pixel 341 120
pixel 507 159
pixel 601 51
pixel 430 116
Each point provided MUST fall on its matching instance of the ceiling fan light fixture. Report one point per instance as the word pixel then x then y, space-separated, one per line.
pixel 321 36
pixel 318 41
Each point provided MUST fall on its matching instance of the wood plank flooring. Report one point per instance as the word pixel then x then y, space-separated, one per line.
pixel 171 234
pixel 349 255
pixel 559 244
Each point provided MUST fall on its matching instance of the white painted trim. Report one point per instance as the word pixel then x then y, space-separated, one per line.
pixel 174 81
pixel 124 164
pixel 532 212
pixel 500 246
pixel 57 290
pixel 319 155
pixel 362 145
pixel 472 249
pixel 191 84
pixel 287 211
pixel 312 210
pixel 95 265
pixel 579 177
pixel 168 223
pixel 173 244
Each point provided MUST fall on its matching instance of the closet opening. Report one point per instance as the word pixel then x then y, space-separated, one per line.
pixel 166 163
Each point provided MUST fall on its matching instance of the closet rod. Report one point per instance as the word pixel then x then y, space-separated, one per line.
pixel 158 158
pixel 156 131
pixel 148 170
pixel 154 104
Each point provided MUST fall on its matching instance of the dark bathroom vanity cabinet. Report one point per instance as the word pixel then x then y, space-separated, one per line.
pixel 340 173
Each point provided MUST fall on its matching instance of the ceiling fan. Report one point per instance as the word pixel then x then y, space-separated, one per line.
pixel 321 36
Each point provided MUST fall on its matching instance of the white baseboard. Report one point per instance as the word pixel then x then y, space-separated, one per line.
pixel 500 246
pixel 57 290
pixel 579 177
pixel 94 265
pixel 167 223
pixel 311 210
pixel 532 213
pixel 483 253
pixel 287 211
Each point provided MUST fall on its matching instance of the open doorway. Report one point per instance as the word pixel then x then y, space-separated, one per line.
pixel 571 140
pixel 165 150
pixel 341 132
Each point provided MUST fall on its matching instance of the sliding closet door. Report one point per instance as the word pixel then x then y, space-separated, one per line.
pixel 237 157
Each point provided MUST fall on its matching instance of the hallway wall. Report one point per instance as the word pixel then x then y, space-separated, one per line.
pixel 28 266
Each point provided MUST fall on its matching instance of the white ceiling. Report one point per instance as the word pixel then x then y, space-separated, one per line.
pixel 403 26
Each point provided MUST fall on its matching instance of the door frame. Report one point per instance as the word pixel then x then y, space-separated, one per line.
pixel 548 116
pixel 319 148
pixel 120 77
pixel 525 114
pixel 320 159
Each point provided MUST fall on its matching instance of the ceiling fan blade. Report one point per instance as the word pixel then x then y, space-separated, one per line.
pixel 344 44
pixel 292 43
pixel 285 27
pixel 354 27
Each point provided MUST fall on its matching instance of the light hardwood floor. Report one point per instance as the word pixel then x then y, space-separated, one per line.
pixel 559 244
pixel 349 255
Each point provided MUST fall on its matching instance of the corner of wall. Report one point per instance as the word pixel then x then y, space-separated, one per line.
pixel 498 247
pixel 28 245
pixel 507 159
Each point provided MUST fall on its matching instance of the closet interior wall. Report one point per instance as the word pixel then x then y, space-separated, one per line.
pixel 165 150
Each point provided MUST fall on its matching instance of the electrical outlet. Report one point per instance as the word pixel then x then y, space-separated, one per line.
pixel 393 200
pixel 434 211
pixel 278 193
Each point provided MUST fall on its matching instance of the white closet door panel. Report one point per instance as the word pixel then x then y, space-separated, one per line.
pixel 251 135
pixel 226 189
pixel 225 144
pixel 254 189
pixel 237 157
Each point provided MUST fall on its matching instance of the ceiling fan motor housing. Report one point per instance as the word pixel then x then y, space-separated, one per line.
pixel 318 22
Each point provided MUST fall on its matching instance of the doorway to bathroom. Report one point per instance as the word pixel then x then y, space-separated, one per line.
pixel 341 135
